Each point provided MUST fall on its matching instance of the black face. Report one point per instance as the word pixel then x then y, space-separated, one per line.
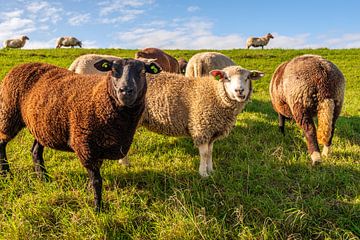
pixel 128 78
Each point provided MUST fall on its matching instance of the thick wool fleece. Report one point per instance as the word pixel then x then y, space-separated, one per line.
pixel 166 62
pixel 181 106
pixel 67 111
pixel 85 63
pixel 202 63
pixel 307 86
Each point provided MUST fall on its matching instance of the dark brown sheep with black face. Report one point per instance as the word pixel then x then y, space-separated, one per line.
pixel 304 87
pixel 92 115
pixel 166 62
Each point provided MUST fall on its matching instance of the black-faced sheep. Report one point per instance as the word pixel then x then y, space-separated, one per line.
pixel 92 115
pixel 68 42
pixel 202 63
pixel 258 42
pixel 304 87
pixel 201 108
pixel 15 43
pixel 166 62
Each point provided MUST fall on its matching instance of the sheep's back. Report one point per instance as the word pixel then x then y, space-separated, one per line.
pixel 85 63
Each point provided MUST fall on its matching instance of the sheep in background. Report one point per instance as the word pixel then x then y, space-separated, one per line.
pixel 68 42
pixel 92 115
pixel 304 87
pixel 15 43
pixel 202 63
pixel 182 65
pixel 201 108
pixel 258 42
pixel 85 63
pixel 166 62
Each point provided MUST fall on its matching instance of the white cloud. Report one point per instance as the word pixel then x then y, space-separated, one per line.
pixel 36 44
pixel 193 8
pixel 12 27
pixel 43 11
pixel 79 19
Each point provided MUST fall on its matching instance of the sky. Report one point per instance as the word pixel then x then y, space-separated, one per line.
pixel 183 24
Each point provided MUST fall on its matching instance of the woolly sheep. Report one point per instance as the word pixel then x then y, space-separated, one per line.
pixel 15 43
pixel 68 42
pixel 182 65
pixel 304 87
pixel 85 63
pixel 92 115
pixel 202 63
pixel 201 108
pixel 258 42
pixel 166 62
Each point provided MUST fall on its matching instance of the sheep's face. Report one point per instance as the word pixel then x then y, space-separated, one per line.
pixel 237 82
pixel 127 80
pixel 269 35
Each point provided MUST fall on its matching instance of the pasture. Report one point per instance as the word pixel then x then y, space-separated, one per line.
pixel 263 186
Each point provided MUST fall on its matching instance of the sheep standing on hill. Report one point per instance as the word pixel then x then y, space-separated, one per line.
pixel 15 43
pixel 68 42
pixel 258 42
pixel 201 108
pixel 92 115
pixel 202 63
pixel 166 62
pixel 182 65
pixel 304 87
pixel 85 63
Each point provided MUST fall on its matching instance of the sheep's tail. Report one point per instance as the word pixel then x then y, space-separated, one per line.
pixel 325 120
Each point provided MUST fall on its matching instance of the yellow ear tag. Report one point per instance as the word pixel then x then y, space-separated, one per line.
pixel 105 65
pixel 154 69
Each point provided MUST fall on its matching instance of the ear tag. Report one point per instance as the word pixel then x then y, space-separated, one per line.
pixel 105 65
pixel 154 69
pixel 217 77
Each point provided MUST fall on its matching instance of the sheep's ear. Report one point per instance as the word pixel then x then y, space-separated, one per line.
pixel 254 75
pixel 218 74
pixel 103 65
pixel 152 68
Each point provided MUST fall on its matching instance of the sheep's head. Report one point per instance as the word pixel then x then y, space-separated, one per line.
pixel 24 38
pixel 269 35
pixel 79 43
pixel 182 64
pixel 237 81
pixel 127 81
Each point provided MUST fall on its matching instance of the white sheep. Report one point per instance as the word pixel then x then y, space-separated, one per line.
pixel 202 63
pixel 85 63
pixel 258 42
pixel 15 43
pixel 68 42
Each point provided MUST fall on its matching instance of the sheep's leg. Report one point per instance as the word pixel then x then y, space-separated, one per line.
pixel 281 123
pixel 5 168
pixel 327 146
pixel 308 126
pixel 37 156
pixel 96 182
pixel 204 156
pixel 209 161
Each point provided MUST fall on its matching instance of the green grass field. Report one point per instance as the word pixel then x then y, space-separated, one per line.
pixel 263 186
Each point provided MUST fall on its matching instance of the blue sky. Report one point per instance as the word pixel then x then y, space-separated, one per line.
pixel 196 24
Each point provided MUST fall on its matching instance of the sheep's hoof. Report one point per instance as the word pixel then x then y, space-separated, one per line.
pixel 315 158
pixel 125 162
pixel 204 174
pixel 326 151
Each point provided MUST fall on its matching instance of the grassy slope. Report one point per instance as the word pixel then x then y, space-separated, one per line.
pixel 263 186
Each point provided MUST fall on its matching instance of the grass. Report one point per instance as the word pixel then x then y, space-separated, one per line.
pixel 263 186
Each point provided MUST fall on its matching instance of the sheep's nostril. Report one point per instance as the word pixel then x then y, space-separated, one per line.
pixel 239 90
pixel 126 90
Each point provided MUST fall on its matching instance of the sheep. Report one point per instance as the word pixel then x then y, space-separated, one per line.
pixel 166 62
pixel 15 43
pixel 202 63
pixel 85 63
pixel 304 87
pixel 182 65
pixel 201 108
pixel 258 42
pixel 92 115
pixel 68 42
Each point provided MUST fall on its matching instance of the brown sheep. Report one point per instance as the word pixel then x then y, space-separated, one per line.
pixel 94 116
pixel 304 87
pixel 166 62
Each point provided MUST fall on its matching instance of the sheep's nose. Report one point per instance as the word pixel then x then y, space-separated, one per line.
pixel 126 90
pixel 239 90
